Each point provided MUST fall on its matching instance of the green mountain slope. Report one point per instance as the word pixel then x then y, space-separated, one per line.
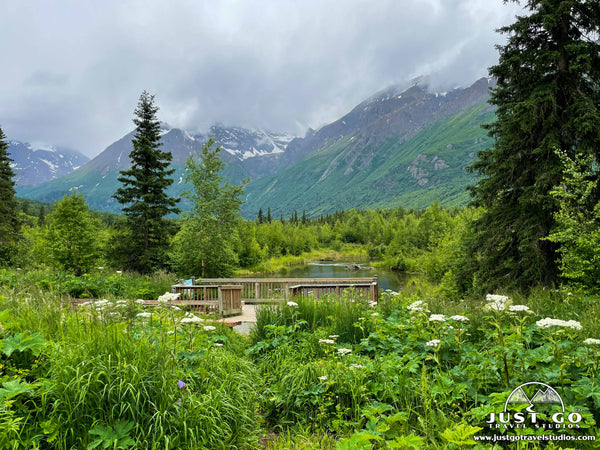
pixel 410 172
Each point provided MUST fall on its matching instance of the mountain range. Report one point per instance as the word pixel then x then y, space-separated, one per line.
pixel 400 147
pixel 34 165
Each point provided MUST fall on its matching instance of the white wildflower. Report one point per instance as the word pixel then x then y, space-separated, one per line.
pixel 496 298
pixel 326 341
pixel 209 328
pixel 459 318
pixel 168 297
pixel 548 322
pixel 191 319
pixel 144 314
pixel 357 366
pixel 176 308
pixel 372 304
pixel 437 318
pixel 344 351
pixel 218 344
pixel 119 272
pixel 416 306
pixel 170 331
pixel 139 301
pixel 323 378
pixel 374 314
pixel 518 308
pixel 121 302
pixel 592 341
pixel 334 336
pixel 496 306
pixel 433 343
pixel 292 304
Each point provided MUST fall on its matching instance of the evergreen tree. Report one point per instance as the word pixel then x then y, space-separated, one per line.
pixel 205 245
pixel 547 98
pixel 144 193
pixel 269 218
pixel 261 216
pixel 42 216
pixel 9 221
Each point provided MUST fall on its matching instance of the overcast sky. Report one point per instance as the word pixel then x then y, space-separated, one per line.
pixel 73 71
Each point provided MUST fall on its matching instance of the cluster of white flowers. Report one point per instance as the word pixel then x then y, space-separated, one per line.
pixel 326 341
pixel 548 322
pixel 357 366
pixel 518 308
pixel 374 314
pixel 209 328
pixel 94 304
pixel 139 301
pixel 218 344
pixel 292 304
pixel 372 304
pixel 323 378
pixel 592 341
pixel 190 318
pixel 334 336
pixel 168 297
pixel 437 318
pixel 416 306
pixel 433 343
pixel 344 351
pixel 144 314
pixel 496 302
pixel 459 318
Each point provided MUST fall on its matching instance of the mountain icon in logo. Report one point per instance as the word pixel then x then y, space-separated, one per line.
pixel 547 396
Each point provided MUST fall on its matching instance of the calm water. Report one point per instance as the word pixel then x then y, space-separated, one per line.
pixel 338 269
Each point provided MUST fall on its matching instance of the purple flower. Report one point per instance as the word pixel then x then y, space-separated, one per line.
pixel 181 384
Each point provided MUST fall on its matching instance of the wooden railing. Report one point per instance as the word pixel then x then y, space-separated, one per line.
pixel 262 290
pixel 227 299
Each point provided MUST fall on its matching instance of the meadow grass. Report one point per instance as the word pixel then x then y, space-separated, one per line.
pixel 415 371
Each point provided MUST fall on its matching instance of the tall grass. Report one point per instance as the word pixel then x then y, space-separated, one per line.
pixel 339 315
pixel 99 375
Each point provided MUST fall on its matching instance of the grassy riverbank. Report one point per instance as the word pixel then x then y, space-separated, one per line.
pixel 282 264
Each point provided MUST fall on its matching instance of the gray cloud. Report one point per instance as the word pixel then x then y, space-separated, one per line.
pixel 74 70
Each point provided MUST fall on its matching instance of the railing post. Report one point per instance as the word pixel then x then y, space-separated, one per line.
pixel 256 291
pixel 220 295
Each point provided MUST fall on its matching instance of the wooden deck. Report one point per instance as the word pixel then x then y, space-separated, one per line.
pixel 264 290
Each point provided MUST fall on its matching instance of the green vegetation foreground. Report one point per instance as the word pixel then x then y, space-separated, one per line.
pixel 413 372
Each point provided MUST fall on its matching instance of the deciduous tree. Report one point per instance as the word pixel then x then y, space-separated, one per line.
pixel 73 235
pixel 205 244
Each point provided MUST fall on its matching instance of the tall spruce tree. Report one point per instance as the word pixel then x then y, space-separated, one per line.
pixel 9 221
pixel 548 99
pixel 144 192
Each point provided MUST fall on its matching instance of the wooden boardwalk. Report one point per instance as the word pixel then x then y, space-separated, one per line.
pixel 264 290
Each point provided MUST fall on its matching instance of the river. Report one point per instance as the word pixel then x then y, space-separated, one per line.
pixel 339 269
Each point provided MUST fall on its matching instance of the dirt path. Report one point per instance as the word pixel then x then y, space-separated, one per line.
pixel 247 319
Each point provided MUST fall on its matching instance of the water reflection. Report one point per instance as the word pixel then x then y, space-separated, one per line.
pixel 339 269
